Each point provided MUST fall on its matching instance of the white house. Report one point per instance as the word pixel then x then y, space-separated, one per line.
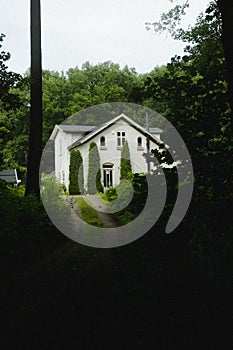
pixel 109 138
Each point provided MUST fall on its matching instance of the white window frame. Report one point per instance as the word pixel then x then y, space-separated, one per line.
pixel 121 138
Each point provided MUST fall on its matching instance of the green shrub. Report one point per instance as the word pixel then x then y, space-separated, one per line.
pixel 52 193
pixel 110 194
pixel 9 208
pixel 125 166
pixel 94 184
pixel 21 216
pixel 76 184
pixel 132 209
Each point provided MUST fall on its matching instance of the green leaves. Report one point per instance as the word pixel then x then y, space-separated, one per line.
pixel 76 182
pixel 94 184
pixel 125 165
pixel 169 20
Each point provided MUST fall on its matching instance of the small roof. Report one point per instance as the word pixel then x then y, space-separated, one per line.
pixel 73 129
pixel 155 131
pixel 10 176
pixel 96 131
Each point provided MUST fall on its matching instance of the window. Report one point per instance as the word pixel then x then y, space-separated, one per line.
pixel 102 141
pixel 120 138
pixel 139 144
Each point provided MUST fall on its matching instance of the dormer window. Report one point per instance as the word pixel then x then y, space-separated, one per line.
pixel 102 143
pixel 120 138
pixel 139 144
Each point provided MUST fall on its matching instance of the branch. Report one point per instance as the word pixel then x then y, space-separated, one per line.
pixel 169 20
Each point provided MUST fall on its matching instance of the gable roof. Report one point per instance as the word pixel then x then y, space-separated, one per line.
pixel 72 129
pixel 104 126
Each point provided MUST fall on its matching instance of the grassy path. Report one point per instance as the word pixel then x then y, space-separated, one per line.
pixel 91 209
pixel 99 205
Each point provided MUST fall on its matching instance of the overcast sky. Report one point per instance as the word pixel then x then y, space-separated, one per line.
pixel 76 31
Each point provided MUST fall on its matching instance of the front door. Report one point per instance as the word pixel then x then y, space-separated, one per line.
pixel 108 178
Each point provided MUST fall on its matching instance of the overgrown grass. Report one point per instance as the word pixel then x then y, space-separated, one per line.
pixel 89 214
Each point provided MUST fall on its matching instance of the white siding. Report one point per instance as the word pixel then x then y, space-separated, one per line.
pixel 62 157
pixel 111 153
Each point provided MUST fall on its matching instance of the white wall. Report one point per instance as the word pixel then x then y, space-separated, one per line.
pixel 112 153
pixel 62 155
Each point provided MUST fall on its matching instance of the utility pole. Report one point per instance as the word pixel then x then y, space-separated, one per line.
pixel 35 133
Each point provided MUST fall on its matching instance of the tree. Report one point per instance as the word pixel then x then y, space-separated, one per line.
pixel 125 166
pixel 35 134
pixel 168 22
pixel 193 94
pixel 13 112
pixel 7 80
pixel 226 10
pixel 95 84
pixel 94 174
pixel 55 101
pixel 76 173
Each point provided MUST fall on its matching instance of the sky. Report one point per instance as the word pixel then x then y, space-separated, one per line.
pixel 76 31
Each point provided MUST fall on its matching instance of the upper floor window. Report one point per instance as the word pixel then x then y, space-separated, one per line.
pixel 120 138
pixel 139 141
pixel 102 141
pixel 139 144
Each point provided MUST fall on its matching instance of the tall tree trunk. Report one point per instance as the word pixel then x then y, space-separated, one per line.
pixel 35 133
pixel 226 10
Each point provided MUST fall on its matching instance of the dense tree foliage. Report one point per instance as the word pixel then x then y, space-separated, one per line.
pixel 221 9
pixel 75 173
pixel 7 81
pixel 192 93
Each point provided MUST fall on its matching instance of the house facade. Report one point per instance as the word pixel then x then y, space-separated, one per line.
pixel 109 138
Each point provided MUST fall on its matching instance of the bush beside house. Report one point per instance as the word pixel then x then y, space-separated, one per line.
pixel 94 184
pixel 76 173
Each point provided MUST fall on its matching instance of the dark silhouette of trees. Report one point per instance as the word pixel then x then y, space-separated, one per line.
pixel 168 22
pixel 226 10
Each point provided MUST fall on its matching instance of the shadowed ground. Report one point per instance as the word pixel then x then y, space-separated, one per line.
pixel 135 297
